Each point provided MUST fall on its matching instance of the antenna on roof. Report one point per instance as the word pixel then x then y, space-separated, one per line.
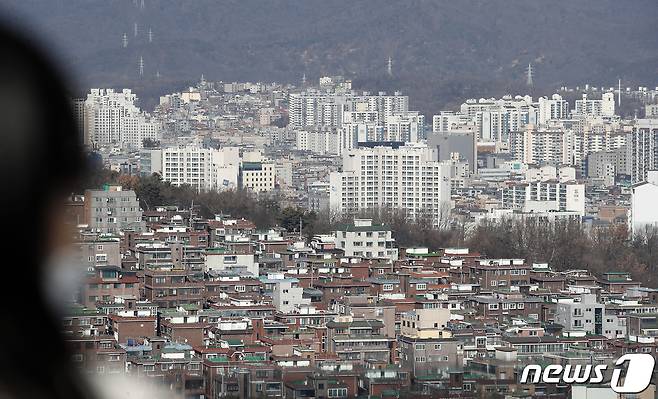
pixel 124 41
pixel 150 35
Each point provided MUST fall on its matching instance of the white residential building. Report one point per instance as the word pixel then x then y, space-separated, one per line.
pixel 544 196
pixel 644 212
pixel 553 108
pixel 111 117
pixel 258 176
pixel 549 172
pixel 404 126
pixel 363 239
pixel 448 121
pixel 542 145
pixel 603 107
pixel 137 128
pixel 202 168
pixel 585 315
pixel 220 259
pixel 287 295
pixel 497 118
pixel 324 141
pixel 405 177
pixel 326 109
pixel 643 149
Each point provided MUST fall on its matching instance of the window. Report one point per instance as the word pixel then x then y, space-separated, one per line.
pixel 437 347
pixel 387 287
pixel 420 347
pixel 421 286
pixel 493 306
pixel 78 357
pixel 337 392
pixel 240 288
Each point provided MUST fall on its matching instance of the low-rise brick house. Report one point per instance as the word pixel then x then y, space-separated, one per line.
pixel 127 327
pixel 497 273
pixel 171 288
pixel 109 282
pixel 97 354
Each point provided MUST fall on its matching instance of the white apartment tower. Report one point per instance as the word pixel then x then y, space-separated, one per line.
pixel 644 149
pixel 553 108
pixel 603 107
pixel 202 168
pixel 405 177
pixel 111 117
pixel 542 146
pixel 313 108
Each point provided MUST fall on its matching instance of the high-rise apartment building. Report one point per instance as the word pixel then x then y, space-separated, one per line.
pixel 603 107
pixel 202 168
pixel 542 145
pixel 397 177
pixel 643 149
pixel 111 117
pixel 496 118
pixel 314 108
pixel 551 109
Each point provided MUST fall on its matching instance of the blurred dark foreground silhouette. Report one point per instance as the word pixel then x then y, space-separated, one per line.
pixel 42 161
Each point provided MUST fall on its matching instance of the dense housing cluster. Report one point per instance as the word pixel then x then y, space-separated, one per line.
pixel 212 306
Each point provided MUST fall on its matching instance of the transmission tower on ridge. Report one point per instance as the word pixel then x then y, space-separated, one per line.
pixel 529 76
